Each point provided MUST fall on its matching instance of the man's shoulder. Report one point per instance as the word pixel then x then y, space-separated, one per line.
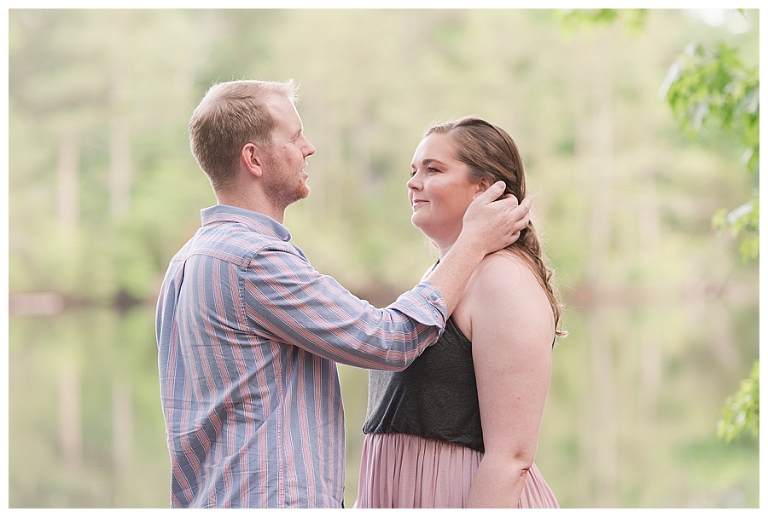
pixel 232 242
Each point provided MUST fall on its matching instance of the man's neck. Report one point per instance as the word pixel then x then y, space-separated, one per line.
pixel 252 203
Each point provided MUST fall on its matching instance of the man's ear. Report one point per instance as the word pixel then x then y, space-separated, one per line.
pixel 252 158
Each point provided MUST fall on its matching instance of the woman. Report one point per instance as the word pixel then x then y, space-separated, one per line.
pixel 425 445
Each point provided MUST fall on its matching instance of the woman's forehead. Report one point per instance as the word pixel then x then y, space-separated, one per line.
pixel 437 146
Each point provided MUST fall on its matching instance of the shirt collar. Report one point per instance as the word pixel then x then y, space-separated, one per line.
pixel 256 221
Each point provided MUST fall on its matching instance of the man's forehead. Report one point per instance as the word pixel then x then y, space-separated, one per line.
pixel 283 110
pixel 277 102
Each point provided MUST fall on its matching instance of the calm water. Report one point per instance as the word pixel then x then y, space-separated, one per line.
pixel 629 422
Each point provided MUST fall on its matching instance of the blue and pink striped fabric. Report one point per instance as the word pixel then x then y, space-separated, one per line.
pixel 248 336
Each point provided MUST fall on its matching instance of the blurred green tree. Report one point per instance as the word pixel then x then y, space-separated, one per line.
pixel 741 412
pixel 712 90
pixel 715 89
pixel 573 19
pixel 96 117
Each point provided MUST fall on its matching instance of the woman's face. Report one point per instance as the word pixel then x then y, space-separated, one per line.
pixel 440 190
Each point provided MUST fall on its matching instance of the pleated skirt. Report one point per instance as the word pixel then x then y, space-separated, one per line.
pixel 405 471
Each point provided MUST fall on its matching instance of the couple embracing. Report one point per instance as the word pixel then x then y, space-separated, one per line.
pixel 249 333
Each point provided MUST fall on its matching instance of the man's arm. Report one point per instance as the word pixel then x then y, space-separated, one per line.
pixel 488 226
pixel 287 301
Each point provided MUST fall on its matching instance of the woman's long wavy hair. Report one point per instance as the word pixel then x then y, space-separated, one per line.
pixel 491 153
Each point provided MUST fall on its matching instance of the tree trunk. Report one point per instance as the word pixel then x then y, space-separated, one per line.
pixel 595 151
pixel 119 134
pixel 68 196
pixel 119 170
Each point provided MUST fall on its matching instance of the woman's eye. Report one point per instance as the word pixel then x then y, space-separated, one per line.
pixel 428 170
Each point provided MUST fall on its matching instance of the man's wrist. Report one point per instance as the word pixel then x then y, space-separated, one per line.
pixel 470 249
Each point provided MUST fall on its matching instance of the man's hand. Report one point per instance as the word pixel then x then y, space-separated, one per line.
pixel 488 226
pixel 492 225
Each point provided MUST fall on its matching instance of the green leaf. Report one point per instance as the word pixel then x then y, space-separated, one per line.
pixel 741 412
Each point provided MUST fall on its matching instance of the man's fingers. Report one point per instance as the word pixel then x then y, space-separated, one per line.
pixel 499 185
pixel 493 192
pixel 522 212
pixel 521 217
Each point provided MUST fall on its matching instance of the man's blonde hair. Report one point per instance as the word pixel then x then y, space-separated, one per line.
pixel 230 115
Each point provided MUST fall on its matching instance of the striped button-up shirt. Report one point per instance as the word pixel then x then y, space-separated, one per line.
pixel 248 336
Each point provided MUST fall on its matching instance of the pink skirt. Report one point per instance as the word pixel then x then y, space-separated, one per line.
pixel 405 471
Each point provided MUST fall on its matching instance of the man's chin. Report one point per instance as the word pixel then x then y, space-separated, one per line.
pixel 300 194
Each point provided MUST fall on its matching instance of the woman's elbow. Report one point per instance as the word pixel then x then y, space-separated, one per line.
pixel 516 463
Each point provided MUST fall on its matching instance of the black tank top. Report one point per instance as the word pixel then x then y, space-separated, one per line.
pixel 435 397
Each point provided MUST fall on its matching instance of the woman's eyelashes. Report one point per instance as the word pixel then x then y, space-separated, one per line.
pixel 428 170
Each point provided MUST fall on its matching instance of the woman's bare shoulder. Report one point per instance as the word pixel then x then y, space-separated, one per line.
pixel 504 269
pixel 507 293
pixel 503 290
pixel 508 280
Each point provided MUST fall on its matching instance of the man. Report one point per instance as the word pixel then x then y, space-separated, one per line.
pixel 248 332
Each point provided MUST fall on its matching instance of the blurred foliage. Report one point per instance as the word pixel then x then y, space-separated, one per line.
pixel 741 413
pixel 95 86
pixel 574 19
pixel 743 221
pixel 715 89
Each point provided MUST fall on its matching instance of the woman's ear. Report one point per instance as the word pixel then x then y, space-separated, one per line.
pixel 483 185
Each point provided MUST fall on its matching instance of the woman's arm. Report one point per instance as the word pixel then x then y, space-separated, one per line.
pixel 507 315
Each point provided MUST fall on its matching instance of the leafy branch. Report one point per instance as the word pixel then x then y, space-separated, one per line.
pixel 741 412
pixel 573 19
pixel 715 89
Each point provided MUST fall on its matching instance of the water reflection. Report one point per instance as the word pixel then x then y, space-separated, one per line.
pixel 630 418
pixel 85 425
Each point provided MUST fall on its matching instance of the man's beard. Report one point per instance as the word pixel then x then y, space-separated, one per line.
pixel 283 187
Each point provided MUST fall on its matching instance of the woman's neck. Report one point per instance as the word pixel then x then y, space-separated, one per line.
pixel 443 249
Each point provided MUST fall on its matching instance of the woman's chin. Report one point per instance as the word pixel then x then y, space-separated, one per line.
pixel 423 227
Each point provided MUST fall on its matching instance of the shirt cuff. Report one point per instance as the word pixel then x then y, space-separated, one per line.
pixel 425 304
